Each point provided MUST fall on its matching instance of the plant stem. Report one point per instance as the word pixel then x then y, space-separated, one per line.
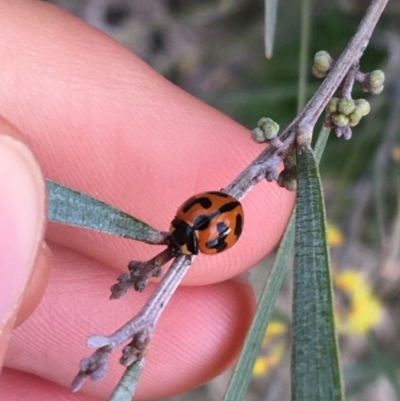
pixel 300 130
pixel 306 120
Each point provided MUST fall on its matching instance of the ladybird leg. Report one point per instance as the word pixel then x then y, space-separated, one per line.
pixel 140 273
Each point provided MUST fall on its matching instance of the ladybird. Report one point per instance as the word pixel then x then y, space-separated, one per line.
pixel 209 222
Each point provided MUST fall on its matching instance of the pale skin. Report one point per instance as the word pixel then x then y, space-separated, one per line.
pixel 85 111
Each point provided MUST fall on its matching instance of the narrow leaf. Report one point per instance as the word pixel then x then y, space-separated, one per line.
pixel 127 385
pixel 315 360
pixel 321 143
pixel 243 370
pixel 74 208
pixel 242 374
pixel 271 7
pixel 304 53
pixel 358 376
pixel 387 366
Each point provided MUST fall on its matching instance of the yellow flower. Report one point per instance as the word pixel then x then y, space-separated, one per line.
pixel 335 236
pixel 276 328
pixel 365 309
pixel 273 350
pixel 265 363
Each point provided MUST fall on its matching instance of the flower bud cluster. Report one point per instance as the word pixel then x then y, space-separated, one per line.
pixel 288 176
pixel 344 112
pixel 373 82
pixel 347 112
pixel 267 129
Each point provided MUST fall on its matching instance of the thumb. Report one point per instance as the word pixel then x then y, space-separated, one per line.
pixel 22 221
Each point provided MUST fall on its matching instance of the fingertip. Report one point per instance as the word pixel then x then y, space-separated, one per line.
pixel 22 216
pixel 36 285
pixel 17 385
pixel 122 133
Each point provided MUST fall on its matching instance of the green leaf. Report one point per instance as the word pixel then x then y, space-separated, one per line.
pixel 244 368
pixel 321 143
pixel 74 208
pixel 359 376
pixel 387 365
pixel 304 53
pixel 315 361
pixel 242 374
pixel 126 387
pixel 271 7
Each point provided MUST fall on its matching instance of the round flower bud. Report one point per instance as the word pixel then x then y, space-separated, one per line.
pixel 376 79
pixel 363 106
pixel 258 135
pixel 332 106
pixel 288 178
pixel 354 118
pixel 269 127
pixel 291 184
pixel 340 120
pixel 317 73
pixel 346 106
pixel 322 61
pixel 281 181
pixel 376 91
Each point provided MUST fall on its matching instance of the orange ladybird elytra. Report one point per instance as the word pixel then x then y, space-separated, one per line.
pixel 209 222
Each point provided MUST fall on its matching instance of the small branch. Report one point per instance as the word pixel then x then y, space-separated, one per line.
pixel 348 82
pixel 351 54
pixel 140 273
pixel 159 239
pixel 269 159
pixel 141 327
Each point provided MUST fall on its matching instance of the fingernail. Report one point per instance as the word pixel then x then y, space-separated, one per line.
pixel 22 218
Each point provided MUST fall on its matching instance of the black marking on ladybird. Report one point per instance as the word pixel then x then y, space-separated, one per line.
pixel 223 229
pixel 183 235
pixel 205 203
pixel 201 222
pixel 218 244
pixel 228 207
pixel 224 209
pixel 239 225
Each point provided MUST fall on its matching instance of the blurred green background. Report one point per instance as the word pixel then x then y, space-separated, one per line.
pixel 215 50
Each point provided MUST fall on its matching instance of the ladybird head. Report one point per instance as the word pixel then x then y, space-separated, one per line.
pixel 183 238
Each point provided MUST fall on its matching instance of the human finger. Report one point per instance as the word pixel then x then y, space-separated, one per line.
pixel 35 388
pixel 103 122
pixel 198 336
pixel 22 216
